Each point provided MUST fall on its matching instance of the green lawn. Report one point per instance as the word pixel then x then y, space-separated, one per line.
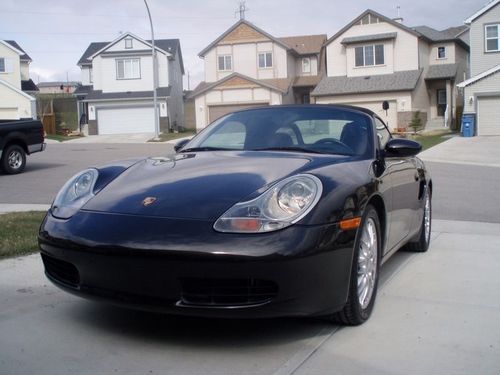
pixel 58 137
pixel 170 136
pixel 428 141
pixel 18 233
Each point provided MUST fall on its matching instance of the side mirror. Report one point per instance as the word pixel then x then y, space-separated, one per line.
pixel 179 145
pixel 402 147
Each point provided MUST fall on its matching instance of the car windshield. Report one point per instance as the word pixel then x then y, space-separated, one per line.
pixel 308 129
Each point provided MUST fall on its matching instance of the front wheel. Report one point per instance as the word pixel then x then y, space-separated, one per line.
pixel 364 272
pixel 14 159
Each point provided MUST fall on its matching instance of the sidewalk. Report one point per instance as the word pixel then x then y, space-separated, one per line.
pixel 7 207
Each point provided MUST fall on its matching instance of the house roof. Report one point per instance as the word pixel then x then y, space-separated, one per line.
pixel 58 83
pixel 369 38
pixel 481 11
pixel 306 81
pixel 397 81
pixel 92 95
pixel 24 56
pixel 478 77
pixel 441 71
pixel 232 28
pixel 305 44
pixel 82 90
pixel 167 45
pixel 281 85
pixel 28 85
pixel 450 34
pixel 380 16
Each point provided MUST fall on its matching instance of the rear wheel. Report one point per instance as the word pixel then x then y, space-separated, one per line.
pixel 14 159
pixel 364 272
pixel 421 245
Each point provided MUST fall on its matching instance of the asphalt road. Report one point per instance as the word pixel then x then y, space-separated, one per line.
pixel 46 172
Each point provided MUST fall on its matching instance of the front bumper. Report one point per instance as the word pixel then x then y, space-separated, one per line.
pixel 185 267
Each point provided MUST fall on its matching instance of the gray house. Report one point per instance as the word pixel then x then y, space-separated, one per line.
pixel 482 90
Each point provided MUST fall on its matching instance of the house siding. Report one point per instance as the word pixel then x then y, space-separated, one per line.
pixel 450 53
pixel 14 105
pixel 481 60
pixel 487 85
pixel 12 77
pixel 400 54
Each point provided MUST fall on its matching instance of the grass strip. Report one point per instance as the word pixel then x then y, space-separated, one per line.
pixel 18 233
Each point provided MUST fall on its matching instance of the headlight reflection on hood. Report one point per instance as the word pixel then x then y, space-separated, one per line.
pixel 74 194
pixel 278 207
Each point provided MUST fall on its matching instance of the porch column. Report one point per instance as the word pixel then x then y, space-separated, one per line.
pixel 449 103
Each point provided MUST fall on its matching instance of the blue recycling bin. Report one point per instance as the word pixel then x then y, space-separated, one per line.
pixel 468 125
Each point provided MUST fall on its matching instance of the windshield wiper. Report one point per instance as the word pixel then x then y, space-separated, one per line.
pixel 206 148
pixel 298 149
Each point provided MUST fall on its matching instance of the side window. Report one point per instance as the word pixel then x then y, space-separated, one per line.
pixel 383 134
pixel 231 135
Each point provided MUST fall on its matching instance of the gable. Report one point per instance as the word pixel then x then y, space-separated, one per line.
pixel 243 33
pixel 137 45
pixel 236 82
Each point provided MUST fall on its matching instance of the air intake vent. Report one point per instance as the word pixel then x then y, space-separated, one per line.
pixel 227 292
pixel 61 271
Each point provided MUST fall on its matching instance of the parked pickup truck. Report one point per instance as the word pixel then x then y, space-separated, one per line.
pixel 19 138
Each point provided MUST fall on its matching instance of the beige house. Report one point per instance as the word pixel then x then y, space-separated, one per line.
pixel 375 59
pixel 248 67
pixel 15 84
pixel 482 90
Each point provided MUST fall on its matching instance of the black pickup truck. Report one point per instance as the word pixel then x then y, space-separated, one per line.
pixel 19 138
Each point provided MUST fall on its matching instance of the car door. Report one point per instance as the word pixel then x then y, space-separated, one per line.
pixel 400 183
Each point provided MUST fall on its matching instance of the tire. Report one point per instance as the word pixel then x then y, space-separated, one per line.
pixel 421 245
pixel 13 159
pixel 361 299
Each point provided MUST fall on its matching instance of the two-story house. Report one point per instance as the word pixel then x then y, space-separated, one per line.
pixel 15 83
pixel 116 96
pixel 246 67
pixel 375 59
pixel 482 90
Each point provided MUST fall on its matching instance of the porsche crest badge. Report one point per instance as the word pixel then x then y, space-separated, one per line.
pixel 148 201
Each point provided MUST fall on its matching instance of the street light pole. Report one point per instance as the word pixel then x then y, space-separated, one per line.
pixel 155 73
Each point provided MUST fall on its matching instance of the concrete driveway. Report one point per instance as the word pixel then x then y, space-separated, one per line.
pixel 115 138
pixel 437 313
pixel 482 151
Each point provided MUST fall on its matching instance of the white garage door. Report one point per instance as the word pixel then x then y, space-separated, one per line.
pixel 9 114
pixel 488 111
pixel 125 120
pixel 391 119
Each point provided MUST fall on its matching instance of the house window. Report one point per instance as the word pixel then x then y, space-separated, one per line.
pixel 492 41
pixel 2 65
pixel 306 65
pixel 369 55
pixel 225 62
pixel 265 60
pixel 128 43
pixel 128 69
pixel 91 76
pixel 441 52
pixel 368 19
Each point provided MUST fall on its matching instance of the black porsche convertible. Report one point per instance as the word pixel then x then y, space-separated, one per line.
pixel 274 211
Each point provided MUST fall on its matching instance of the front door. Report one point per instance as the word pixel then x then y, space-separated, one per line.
pixel 441 102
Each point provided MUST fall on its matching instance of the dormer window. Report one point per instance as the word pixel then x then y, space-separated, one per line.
pixel 128 43
pixel 2 65
pixel 306 65
pixel 441 53
pixel 368 19
pixel 224 62
pixel 266 60
pixel 492 40
pixel 369 55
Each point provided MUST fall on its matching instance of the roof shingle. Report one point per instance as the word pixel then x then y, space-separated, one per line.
pixel 441 71
pixel 305 44
pixel 342 85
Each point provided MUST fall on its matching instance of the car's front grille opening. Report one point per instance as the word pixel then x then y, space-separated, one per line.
pixel 227 292
pixel 61 271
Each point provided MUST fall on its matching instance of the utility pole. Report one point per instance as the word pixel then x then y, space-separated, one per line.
pixel 155 73
pixel 189 86
pixel 241 10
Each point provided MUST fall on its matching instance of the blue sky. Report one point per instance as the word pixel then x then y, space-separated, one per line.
pixel 55 33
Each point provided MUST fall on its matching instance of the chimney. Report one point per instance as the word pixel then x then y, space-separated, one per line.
pixel 398 19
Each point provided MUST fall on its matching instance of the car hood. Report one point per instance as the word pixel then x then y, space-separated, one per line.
pixel 199 185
